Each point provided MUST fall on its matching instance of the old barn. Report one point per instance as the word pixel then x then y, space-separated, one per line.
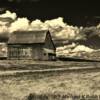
pixel 36 45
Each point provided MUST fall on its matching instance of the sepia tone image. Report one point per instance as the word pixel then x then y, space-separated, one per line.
pixel 49 50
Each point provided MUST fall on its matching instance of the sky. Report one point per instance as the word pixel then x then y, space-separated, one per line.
pixel 74 12
pixel 60 17
pixel 69 39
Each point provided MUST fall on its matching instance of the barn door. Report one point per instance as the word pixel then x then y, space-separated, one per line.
pixel 50 56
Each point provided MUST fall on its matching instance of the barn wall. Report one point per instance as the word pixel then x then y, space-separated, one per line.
pixel 38 52
pixel 34 52
pixel 19 52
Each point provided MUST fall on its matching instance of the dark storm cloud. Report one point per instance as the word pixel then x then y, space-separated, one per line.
pixel 23 0
pixel 72 11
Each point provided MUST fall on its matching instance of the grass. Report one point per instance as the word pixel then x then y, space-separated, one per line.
pixel 10 65
pixel 49 85
pixel 52 85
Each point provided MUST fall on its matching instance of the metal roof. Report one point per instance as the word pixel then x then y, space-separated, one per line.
pixel 27 37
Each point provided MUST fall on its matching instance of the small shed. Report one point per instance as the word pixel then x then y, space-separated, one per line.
pixel 36 45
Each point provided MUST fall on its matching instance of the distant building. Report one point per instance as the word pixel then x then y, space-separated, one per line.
pixel 3 45
pixel 36 45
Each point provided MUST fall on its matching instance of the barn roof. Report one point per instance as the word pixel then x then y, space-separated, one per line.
pixel 27 37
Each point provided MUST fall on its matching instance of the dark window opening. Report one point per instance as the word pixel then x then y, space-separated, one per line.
pixel 44 54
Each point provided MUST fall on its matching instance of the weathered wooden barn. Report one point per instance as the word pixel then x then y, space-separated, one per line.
pixel 36 45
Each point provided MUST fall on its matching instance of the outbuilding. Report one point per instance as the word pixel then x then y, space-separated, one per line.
pixel 36 45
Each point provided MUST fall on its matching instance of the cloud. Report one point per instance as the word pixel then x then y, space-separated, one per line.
pixel 73 50
pixel 88 43
pixel 82 48
pixel 58 28
pixel 9 14
pixel 5 21
pixel 38 25
pixel 23 1
pixel 60 31
pixel 56 22
pixel 19 24
pixel 3 29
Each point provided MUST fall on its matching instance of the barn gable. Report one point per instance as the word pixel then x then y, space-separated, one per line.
pixel 49 42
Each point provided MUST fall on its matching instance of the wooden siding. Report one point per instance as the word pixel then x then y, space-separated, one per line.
pixel 34 51
pixel 19 52
pixel 37 52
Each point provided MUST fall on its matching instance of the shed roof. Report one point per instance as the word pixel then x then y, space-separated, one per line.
pixel 28 37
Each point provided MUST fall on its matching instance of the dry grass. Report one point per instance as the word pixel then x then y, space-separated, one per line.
pixel 10 65
pixel 74 83
pixel 49 85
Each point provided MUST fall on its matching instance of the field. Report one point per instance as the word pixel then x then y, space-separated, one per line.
pixel 26 80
